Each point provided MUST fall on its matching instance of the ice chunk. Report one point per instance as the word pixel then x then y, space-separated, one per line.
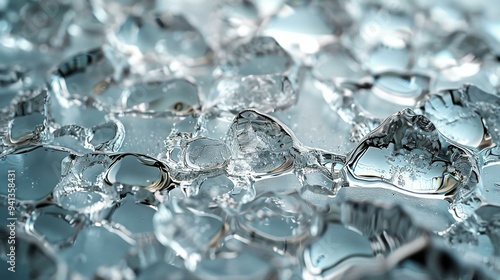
pixel 410 154
pixel 259 144
pixel 259 74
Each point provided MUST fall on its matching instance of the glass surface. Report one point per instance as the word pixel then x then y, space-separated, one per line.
pixel 249 139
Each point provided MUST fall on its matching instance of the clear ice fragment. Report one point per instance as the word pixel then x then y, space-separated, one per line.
pixel 409 153
pixel 168 37
pixel 31 24
pixel 84 197
pixel 147 135
pixel 483 104
pixel 222 191
pixel 157 98
pixel 278 217
pixel 147 254
pixel 258 74
pixel 134 215
pixel 87 79
pixel 34 260
pixel 387 228
pixel 114 11
pixel 223 22
pixel 431 214
pixel 286 184
pixel 29 120
pixel 187 156
pixel 387 58
pixel 108 136
pixel 246 265
pixel 303 27
pixel 162 270
pixel 483 201
pixel 82 187
pixel 57 226
pixel 337 244
pixel 454 115
pixel 95 247
pixel 317 187
pixel 38 169
pixel 259 144
pixel 379 22
pixel 205 153
pixel 336 63
pixel 420 259
pixel 104 137
pixel 189 234
pixel 313 122
pixel 367 102
pixel 461 55
pixel 11 77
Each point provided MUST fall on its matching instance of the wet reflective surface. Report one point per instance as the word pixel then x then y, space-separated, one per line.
pixel 249 139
